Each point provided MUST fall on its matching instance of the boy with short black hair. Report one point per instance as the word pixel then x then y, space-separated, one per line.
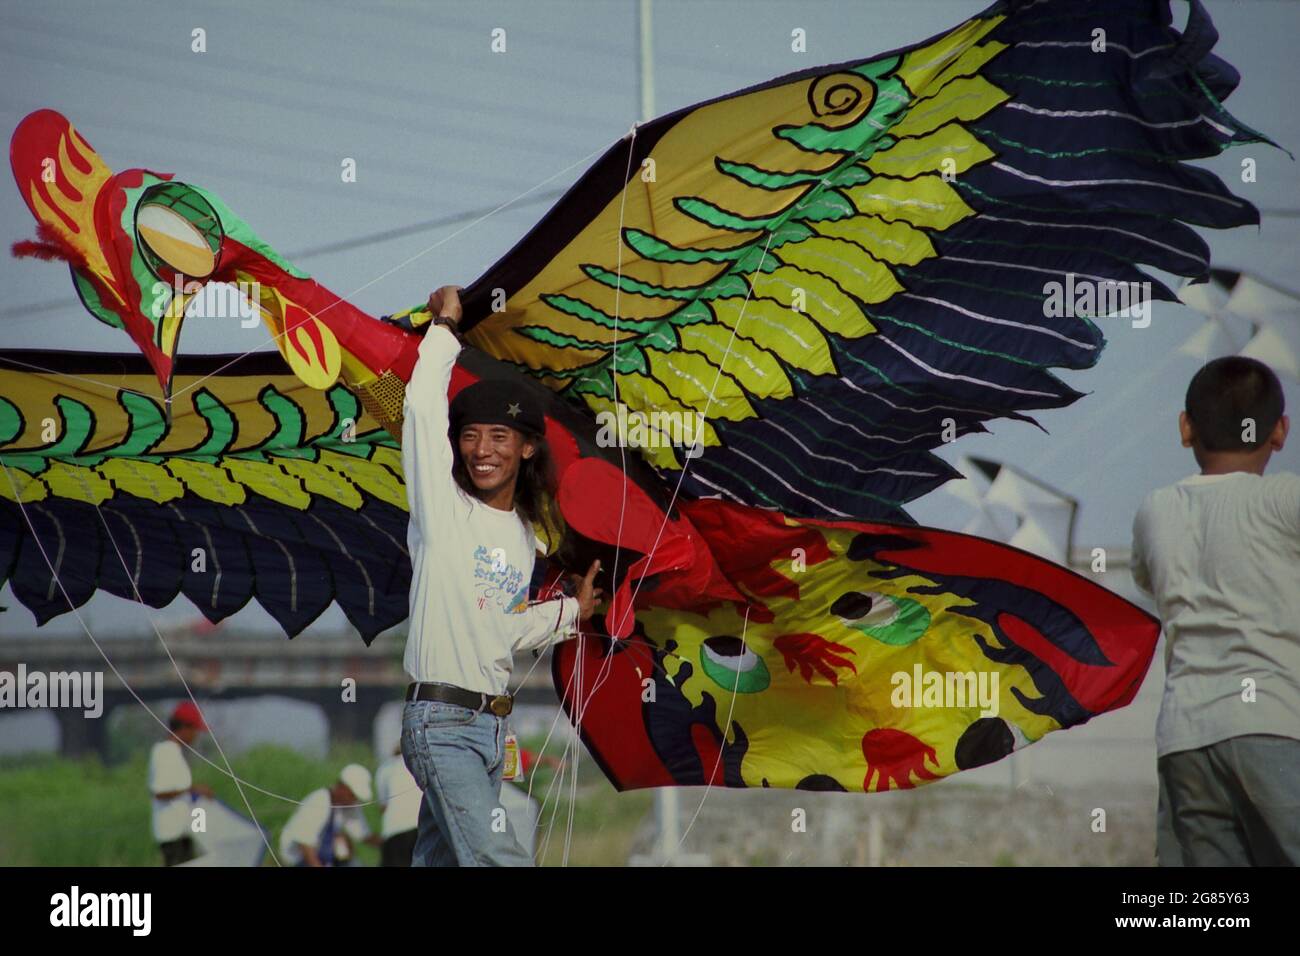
pixel 1220 553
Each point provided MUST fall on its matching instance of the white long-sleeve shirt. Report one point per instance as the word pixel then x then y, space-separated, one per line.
pixel 1221 556
pixel 471 564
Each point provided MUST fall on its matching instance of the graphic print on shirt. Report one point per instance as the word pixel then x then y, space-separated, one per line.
pixel 499 583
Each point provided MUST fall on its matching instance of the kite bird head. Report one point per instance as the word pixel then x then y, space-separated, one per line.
pixel 138 244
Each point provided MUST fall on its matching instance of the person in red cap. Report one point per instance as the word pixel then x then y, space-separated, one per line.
pixel 480 485
pixel 172 786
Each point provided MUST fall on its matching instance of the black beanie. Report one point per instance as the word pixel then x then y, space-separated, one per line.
pixel 497 402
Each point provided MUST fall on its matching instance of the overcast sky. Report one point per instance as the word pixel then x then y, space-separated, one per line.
pixel 440 127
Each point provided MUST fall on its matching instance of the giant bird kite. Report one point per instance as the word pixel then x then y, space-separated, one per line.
pixel 830 272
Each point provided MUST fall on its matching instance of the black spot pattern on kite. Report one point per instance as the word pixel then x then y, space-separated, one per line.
pixel 984 741
pixel 819 781
pixel 852 605
pixel 864 546
pixel 725 645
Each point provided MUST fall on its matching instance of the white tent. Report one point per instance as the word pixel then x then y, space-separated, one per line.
pixel 229 838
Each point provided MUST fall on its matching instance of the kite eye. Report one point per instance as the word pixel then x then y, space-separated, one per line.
pixel 865 608
pixel 890 620
pixel 177 232
pixel 733 666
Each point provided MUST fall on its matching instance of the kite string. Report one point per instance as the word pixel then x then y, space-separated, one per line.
pixel 618 293
pixel 555 807
pixel 271 341
pixel 569 745
pixel 135 588
pixel 716 378
pixel 606 665
pixel 40 545
pixel 77 614
pixel 71 376
pixel 573 775
pixel 614 367
pixel 622 451
pixel 582 704
pixel 579 709
pixel 546 743
pixel 722 744
pixel 676 490
pixel 274 340
pixel 603 675
pixel 239 781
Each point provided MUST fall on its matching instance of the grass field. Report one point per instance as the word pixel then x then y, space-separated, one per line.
pixel 61 812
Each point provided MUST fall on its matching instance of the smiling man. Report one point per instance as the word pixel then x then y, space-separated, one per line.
pixel 479 478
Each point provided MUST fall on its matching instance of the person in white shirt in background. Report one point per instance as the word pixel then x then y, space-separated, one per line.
pixel 479 479
pixel 329 822
pixel 1220 553
pixel 172 787
pixel 399 797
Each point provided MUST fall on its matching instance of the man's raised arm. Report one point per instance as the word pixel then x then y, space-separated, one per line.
pixel 424 409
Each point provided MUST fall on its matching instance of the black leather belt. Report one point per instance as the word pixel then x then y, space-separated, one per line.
pixel 500 705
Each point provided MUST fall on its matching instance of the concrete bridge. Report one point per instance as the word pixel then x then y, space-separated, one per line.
pixel 220 666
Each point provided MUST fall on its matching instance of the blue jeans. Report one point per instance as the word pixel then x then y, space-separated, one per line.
pixel 456 756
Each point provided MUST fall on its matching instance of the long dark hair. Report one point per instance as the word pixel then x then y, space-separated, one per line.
pixel 534 488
